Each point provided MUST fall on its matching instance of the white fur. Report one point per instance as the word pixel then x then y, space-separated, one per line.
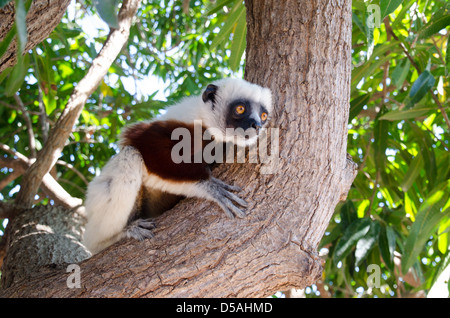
pixel 188 189
pixel 110 199
pixel 111 196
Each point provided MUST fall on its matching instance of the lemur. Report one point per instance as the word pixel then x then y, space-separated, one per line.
pixel 142 180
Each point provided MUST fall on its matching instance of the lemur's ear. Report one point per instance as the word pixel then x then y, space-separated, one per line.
pixel 210 94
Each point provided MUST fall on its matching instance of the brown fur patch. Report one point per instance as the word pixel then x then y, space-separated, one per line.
pixel 153 140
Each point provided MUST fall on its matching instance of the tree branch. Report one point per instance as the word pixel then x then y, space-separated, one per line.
pixel 5 210
pixel 9 178
pixel 48 156
pixel 12 152
pixel 49 185
pixel 42 17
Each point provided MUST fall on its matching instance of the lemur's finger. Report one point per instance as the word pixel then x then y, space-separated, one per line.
pixel 226 185
pixel 236 199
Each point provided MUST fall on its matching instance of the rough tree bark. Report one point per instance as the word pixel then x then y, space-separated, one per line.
pixel 301 50
pixel 42 17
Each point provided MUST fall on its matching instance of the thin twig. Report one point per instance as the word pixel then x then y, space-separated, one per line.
pixel 43 117
pixel 3 103
pixel 26 117
pixel 372 198
pixel 400 43
pixel 437 138
pixel 366 154
pixel 441 108
pixel 72 184
pixel 386 65
pixel 75 170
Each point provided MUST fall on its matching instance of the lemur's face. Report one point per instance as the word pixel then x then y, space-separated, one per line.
pixel 246 117
pixel 239 110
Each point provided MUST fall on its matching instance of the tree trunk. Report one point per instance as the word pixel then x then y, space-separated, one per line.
pixel 301 50
pixel 48 236
pixel 42 17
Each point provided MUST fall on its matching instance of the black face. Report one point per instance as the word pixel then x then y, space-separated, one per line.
pixel 245 114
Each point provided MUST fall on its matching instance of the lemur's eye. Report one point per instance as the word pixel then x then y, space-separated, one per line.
pixel 240 109
pixel 264 116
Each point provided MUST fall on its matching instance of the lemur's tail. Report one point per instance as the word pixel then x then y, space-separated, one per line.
pixel 111 198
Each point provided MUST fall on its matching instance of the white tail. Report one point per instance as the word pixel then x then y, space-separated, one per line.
pixel 111 199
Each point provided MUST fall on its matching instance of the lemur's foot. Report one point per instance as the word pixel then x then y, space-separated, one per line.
pixel 140 229
pixel 220 193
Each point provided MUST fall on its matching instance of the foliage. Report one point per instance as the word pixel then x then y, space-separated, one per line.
pixel 397 214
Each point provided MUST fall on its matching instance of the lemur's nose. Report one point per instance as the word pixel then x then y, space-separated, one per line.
pixel 256 125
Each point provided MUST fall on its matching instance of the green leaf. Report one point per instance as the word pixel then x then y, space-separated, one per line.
pixel 4 44
pixel 406 114
pixel 410 207
pixel 434 26
pixel 215 7
pixel 427 151
pixel 358 22
pixel 348 214
pixel 357 230
pixel 388 6
pixel 368 68
pixel 427 218
pixel 447 54
pixel 380 135
pixel 412 173
pixel 399 17
pixel 357 104
pixel 17 75
pixel 420 87
pixel 239 43
pixel 366 243
pixel 327 239
pixel 400 72
pixel 107 11
pixel 5 74
pixel 21 24
pixel 443 238
pixel 228 26
pixel 386 243
pixel 12 117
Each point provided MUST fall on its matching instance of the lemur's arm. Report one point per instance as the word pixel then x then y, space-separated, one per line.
pixel 189 179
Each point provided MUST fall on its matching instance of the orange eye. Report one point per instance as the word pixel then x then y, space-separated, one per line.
pixel 240 109
pixel 264 116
